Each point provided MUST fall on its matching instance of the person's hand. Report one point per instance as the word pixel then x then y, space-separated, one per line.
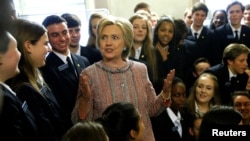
pixel 166 90
pixel 84 94
pixel 163 52
pixel 84 89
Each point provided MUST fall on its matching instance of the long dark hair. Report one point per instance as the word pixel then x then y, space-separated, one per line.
pixel 24 30
pixel 157 26
pixel 119 119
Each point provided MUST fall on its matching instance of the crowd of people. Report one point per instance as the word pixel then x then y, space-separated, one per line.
pixel 146 78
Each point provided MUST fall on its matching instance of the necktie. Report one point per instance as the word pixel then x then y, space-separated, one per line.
pixel 178 125
pixel 195 36
pixel 236 35
pixel 176 119
pixel 71 66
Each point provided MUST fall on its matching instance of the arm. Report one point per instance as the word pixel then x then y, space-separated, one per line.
pixel 81 108
pixel 162 100
pixel 166 90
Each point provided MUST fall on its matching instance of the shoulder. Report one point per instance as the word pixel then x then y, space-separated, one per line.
pixel 79 59
pixel 222 28
pixel 245 28
pixel 6 92
pixel 206 29
pixel 52 59
pixel 26 91
pixel 91 68
pixel 51 55
pixel 217 69
pixel 91 49
pixel 218 66
pixel 189 42
pixel 138 64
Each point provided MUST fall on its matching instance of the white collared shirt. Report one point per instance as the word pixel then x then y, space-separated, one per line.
pixel 199 31
pixel 8 88
pixel 63 57
pixel 233 29
pixel 138 52
pixel 175 119
pixel 231 74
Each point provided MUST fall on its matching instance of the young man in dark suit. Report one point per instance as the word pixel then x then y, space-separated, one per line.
pixel 74 26
pixel 199 33
pixel 232 32
pixel 62 68
pixel 231 74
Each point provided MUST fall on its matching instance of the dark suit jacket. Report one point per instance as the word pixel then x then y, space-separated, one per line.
pixel 188 57
pixel 48 114
pixel 16 121
pixel 64 83
pixel 180 58
pixel 93 54
pixel 223 36
pixel 143 59
pixel 165 130
pixel 227 87
pixel 204 43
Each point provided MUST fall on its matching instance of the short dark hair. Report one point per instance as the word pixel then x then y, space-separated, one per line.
pixel 180 29
pixel 142 5
pixel 4 40
pixel 52 19
pixel 235 3
pixel 238 93
pixel 199 60
pixel 234 50
pixel 177 80
pixel 72 20
pixel 7 13
pixel 87 131
pixel 200 6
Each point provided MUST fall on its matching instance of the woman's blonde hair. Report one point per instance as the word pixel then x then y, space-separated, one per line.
pixel 192 98
pixel 126 28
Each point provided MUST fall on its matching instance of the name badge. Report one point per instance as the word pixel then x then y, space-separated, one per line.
pixel 190 37
pixel 230 36
pixel 24 106
pixel 63 67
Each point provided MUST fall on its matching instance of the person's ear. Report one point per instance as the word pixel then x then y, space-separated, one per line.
pixel 194 74
pixel 191 132
pixel 133 134
pixel 229 62
pixel 28 46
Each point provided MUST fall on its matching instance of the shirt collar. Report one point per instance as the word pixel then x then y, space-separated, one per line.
pixel 199 31
pixel 233 29
pixel 231 73
pixel 62 56
pixel 8 88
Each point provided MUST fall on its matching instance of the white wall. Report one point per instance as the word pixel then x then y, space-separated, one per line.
pixel 124 8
